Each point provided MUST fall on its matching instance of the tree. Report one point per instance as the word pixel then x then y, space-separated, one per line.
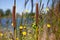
pixel 1 13
pixel 7 12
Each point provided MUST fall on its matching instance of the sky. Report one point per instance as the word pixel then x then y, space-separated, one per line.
pixel 8 4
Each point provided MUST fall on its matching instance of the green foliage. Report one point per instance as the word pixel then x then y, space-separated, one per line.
pixel 31 14
pixel 1 13
pixel 34 26
pixel 7 12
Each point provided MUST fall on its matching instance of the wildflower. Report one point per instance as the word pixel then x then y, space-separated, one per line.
pixel 12 24
pixel 24 33
pixel 17 38
pixel 21 27
pixel 24 27
pixel 47 9
pixel 1 34
pixel 48 25
pixel 26 10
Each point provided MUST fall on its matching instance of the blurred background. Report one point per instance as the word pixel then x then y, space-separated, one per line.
pixel 26 14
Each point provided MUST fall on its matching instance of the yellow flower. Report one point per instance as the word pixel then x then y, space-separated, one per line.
pixel 48 25
pixel 47 9
pixel 12 24
pixel 21 27
pixel 24 33
pixel 24 27
pixel 26 10
pixel 17 38
pixel 1 34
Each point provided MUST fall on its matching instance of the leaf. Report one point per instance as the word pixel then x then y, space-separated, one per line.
pixel 40 2
pixel 31 6
pixel 26 1
pixel 42 6
pixel 48 2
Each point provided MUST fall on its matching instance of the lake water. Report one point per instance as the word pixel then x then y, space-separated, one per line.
pixel 9 20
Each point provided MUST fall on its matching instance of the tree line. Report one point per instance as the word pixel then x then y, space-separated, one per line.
pixel 5 13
